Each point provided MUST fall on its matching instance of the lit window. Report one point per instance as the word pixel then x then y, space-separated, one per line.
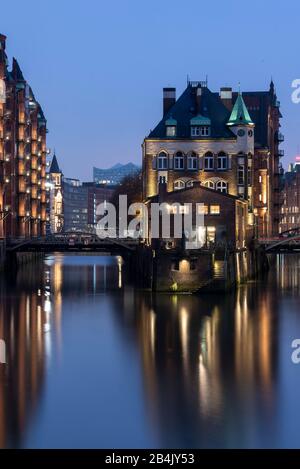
pixel 202 209
pixel 222 161
pixel 184 209
pixel 162 161
pixel 215 209
pixel 179 209
pixel 192 161
pixel 179 184
pixel 179 161
pixel 211 234
pixel 208 161
pixel 171 131
pixel 210 184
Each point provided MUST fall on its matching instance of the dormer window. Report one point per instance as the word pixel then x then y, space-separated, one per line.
pixel 200 131
pixel 171 131
pixel 200 126
pixel 171 127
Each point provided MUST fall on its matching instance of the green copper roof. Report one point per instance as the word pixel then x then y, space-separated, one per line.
pixel 200 120
pixel 171 121
pixel 240 114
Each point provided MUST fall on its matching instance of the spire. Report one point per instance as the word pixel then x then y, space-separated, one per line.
pixel 272 87
pixel 239 114
pixel 54 168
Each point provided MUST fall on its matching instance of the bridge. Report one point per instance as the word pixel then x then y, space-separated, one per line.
pixel 73 242
pixel 288 240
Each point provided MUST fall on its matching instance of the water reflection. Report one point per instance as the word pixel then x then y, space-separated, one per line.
pixel 157 370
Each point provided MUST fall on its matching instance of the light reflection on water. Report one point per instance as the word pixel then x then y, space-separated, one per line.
pixel 93 363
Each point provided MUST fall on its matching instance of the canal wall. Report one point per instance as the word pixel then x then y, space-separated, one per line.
pixel 195 272
pixel 13 260
pixel 2 253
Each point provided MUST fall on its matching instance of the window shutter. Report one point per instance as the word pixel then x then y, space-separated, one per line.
pixel 154 163
pixel 170 162
pixel 200 162
pixel 229 161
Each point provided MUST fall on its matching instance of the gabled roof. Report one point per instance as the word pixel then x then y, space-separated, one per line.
pixel 200 120
pixel 54 168
pixel 16 71
pixel 239 114
pixel 185 108
pixel 195 188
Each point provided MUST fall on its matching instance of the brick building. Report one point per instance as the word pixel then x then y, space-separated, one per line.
pixel 290 211
pixel 225 220
pixel 227 141
pixel 22 155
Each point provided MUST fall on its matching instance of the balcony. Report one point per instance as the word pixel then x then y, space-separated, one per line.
pixel 280 153
pixel 279 137
pixel 277 103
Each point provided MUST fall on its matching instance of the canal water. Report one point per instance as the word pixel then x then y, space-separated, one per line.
pixel 92 363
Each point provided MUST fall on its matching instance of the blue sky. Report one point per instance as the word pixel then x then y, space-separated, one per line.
pixel 98 68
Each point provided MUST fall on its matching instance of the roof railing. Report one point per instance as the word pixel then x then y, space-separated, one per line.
pixel 195 84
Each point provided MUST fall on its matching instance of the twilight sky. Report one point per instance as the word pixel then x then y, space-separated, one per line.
pixel 98 68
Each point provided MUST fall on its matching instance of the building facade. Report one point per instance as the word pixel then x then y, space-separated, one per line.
pixel 96 194
pixel 75 205
pixel 225 217
pixel 290 211
pixel 215 139
pixel 80 201
pixel 55 197
pixel 22 155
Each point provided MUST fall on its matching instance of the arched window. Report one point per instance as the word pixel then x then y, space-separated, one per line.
pixel 179 184
pixel 208 161
pixel 192 161
pixel 162 160
pixel 222 161
pixel 179 161
pixel 210 184
pixel 221 186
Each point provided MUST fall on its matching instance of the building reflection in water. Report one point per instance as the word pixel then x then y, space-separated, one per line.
pixel 30 324
pixel 205 361
pixel 208 364
pixel 24 321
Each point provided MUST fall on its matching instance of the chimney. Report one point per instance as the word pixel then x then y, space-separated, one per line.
pixel 162 188
pixel 226 97
pixel 169 98
pixel 198 99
